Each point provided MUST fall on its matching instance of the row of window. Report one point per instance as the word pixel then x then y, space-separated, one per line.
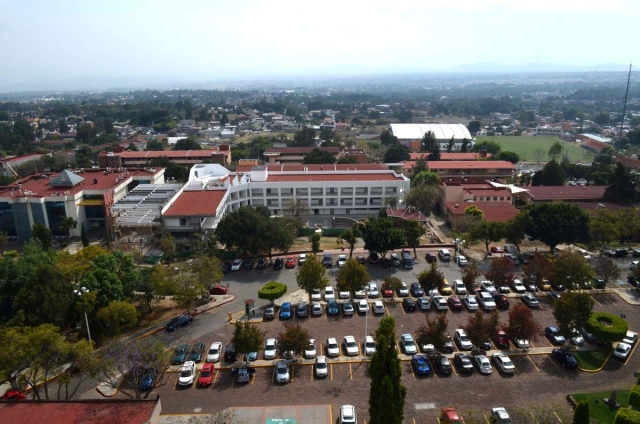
pixel 488 199
pixel 343 191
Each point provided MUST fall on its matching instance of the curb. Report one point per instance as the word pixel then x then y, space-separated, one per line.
pixel 601 367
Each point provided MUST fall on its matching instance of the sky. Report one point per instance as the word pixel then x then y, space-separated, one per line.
pixel 209 40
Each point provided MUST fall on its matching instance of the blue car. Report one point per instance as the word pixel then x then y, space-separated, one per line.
pixel 252 356
pixel 420 365
pixel 332 307
pixel 285 310
pixel 146 383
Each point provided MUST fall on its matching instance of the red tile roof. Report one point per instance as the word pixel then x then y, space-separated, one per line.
pixel 483 164
pixel 78 411
pixel 449 156
pixel 594 145
pixel 196 203
pixel 23 157
pixel 151 154
pixel 493 211
pixel 300 150
pixel 628 162
pixel 567 192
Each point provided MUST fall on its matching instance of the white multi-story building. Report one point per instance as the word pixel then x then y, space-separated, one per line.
pixel 549 131
pixel 327 191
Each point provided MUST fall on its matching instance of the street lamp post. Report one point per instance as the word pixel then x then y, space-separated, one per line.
pixel 81 292
pixel 366 319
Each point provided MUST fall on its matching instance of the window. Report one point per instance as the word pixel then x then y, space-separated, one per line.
pixel 501 198
pixel 56 211
pixel 495 199
pixel 183 222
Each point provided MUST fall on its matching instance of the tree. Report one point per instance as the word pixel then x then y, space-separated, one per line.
pixel 272 290
pixel 306 137
pixel 509 156
pixel 551 175
pixel 168 245
pixel 487 232
pixel 277 234
pixel 605 267
pixel 326 134
pixel 397 153
pixel 381 235
pixel 480 327
pixel 43 234
pixel 413 231
pixel 247 338
pixel 186 288
pixel 83 236
pixel 349 236
pixel 347 160
pixel 435 152
pixel 294 339
pixel 538 154
pixel 555 151
pixel 514 229
pixel 424 198
pixel 386 373
pixel 430 279
pixel 627 223
pixel 315 243
pixel 393 283
pixel 450 144
pixel 572 268
pixel 474 126
pixel 488 146
pixel 387 138
pixel 623 188
pixel 433 332
pixel 475 212
pixel 469 275
pixel 208 270
pixel 429 142
pixel 67 224
pixel 538 268
pixel 312 275
pixel 572 310
pixel 63 128
pixel 353 276
pixel 224 120
pixel 317 156
pixel 500 272
pixel 582 414
pixel 189 143
pixel 522 325
pixel 244 230
pixel 117 316
pixel 555 223
pixel 604 228
pixel 295 207
pixel 465 145
pixel 425 178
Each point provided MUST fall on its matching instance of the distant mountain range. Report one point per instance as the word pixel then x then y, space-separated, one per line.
pixel 536 67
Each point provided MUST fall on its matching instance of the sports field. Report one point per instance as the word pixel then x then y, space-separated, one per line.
pixel 526 148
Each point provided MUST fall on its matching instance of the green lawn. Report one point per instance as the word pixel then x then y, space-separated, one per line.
pixel 525 147
pixel 600 412
pixel 592 360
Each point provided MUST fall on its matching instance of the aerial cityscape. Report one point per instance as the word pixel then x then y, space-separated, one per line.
pixel 354 212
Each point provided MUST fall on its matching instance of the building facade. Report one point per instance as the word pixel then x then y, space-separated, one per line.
pixel 461 170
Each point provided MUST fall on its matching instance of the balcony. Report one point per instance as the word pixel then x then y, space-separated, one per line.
pixel 286 193
pixel 377 191
pixel 300 192
pixel 272 192
pixel 331 192
pixel 346 192
pixel 316 192
pixel 361 191
pixel 346 202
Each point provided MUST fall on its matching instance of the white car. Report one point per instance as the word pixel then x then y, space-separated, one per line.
pixel 462 339
pixel 521 344
pixel 440 303
pixel 316 294
pixel 235 266
pixel 302 258
pixel 489 287
pixel 404 290
pixel 518 287
pixel 459 288
pixel 282 371
pixel 373 290
pixel 500 415
pixel 342 260
pixel 270 349
pixel 310 350
pixel 363 306
pixel 470 303
pixel 408 345
pixel 359 294
pixel 350 346
pixel 622 351
pixel 348 414
pixel 461 260
pixel 630 338
pixel 577 339
pixel 504 363
pixel 320 367
pixel 188 374
pixel 369 345
pixel 329 293
pixel 316 309
pixel 378 307
pixel 633 264
pixel 344 294
pixel 486 300
pixel 214 352
pixel 333 348
pixel 483 364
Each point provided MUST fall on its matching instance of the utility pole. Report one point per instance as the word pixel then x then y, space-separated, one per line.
pixel 624 108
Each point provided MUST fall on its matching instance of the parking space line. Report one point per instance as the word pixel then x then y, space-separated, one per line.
pixel 330 413
pixel 594 299
pixel 253 378
pixel 412 419
pixel 552 361
pixel 486 419
pixel 331 371
pixel 609 299
pixel 387 310
pixel 554 413
pixel 532 345
pixel 454 369
pixel 630 354
pixel 350 371
pixel 215 377
pixel 273 374
pixel 403 311
pixel 412 371
pixel 312 378
pixel 233 380
pixel 534 418
pixel 533 363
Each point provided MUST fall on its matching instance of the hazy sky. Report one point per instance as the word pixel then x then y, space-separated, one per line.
pixel 210 39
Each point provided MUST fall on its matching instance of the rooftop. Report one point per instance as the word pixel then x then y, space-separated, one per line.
pixel 300 150
pixel 151 154
pixel 567 192
pixel 449 156
pixel 597 138
pixel 196 203
pixel 493 211
pixel 142 206
pixel 441 131
pixel 277 177
pixel 483 164
pixel 328 167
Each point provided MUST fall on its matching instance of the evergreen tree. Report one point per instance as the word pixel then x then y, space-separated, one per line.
pixel 83 236
pixel 386 372
pixel 582 414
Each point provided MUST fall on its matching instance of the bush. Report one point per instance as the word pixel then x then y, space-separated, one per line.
pixel 627 416
pixel 272 291
pixel 614 328
pixel 11 254
pixel 306 232
pixel 332 232
pixel 634 397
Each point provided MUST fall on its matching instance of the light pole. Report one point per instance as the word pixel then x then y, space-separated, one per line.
pixel 366 319
pixel 457 242
pixel 81 292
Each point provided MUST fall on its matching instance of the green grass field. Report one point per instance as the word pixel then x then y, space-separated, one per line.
pixel 600 412
pixel 526 147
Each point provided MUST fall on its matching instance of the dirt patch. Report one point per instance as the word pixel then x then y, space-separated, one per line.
pixel 161 310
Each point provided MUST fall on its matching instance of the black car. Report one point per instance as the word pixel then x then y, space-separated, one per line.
pixel 226 267
pixel 565 358
pixel 179 321
pixel 431 257
pixel 463 362
pixel 277 265
pixel 262 262
pixel 557 286
pixel 230 354
pixel 180 354
pixel 501 301
pixel 599 283
pixel 386 263
pixel 196 352
pixel 423 303
pixel 409 304
pixel 249 264
pixel 443 365
pixel 416 290
pixel 302 311
pixel 616 253
pixel 373 257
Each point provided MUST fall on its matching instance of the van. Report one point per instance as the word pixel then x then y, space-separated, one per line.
pixel 407 259
pixel 444 254
pixel 327 260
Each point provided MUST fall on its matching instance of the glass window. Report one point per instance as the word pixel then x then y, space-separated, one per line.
pixel 55 212
pixel 7 225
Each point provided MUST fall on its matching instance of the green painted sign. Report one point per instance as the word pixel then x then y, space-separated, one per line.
pixel 280 421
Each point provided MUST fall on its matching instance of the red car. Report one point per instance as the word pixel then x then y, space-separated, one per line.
pixel 455 303
pixel 13 395
pixel 206 375
pixel 431 257
pixel 501 300
pixel 386 291
pixel 218 289
pixel 501 340
pixel 449 416
pixel 497 249
pixel 291 262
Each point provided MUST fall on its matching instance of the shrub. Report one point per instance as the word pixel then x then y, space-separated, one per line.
pixel 627 416
pixel 11 254
pixel 581 416
pixel 634 397
pixel 607 327
pixel 272 291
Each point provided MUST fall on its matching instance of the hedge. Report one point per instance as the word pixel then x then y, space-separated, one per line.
pixel 11 254
pixel 272 291
pixel 332 232
pixel 306 232
pixel 613 333
pixel 627 416
pixel 634 397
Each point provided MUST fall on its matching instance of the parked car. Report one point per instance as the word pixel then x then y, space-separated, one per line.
pixel 431 257
pixel 378 307
pixel 359 294
pixel 344 294
pixel 148 379
pixel 369 345
pixel 565 358
pixel 576 337
pixel 374 258
pixel 455 304
pixel 416 290
pixel 333 349
pixel 230 354
pixel 270 349
pixel 497 249
pixel 373 290
pixel 408 344
pixel 445 289
pixel 444 254
pixel 461 260
pixel 403 291
pixel 302 258
pixel 423 303
pixel 461 338
pixel 443 365
pixel 440 303
pixel 269 312
pixel 387 292
pixel 554 336
pixel 278 263
pixel 459 288
pixel 218 289
pixel 180 354
pixel 518 287
pixel 282 371
pixel 316 309
pixel 332 307
pixel 449 416
pixel 249 264
pixel 348 414
pixel 409 304
pixel 196 352
pixel 188 374
pixel 630 338
pixel 463 362
pixel 500 416
pixel 350 346
pixel 501 340
pixel 503 363
pixel 285 311
pixel 316 294
pixel 420 365
pixel 488 287
pixel 361 259
pixel 347 309
pixel 235 266
pixel 622 351
pixel 501 301
pixel 242 372
pixel 329 293
pixel 291 262
pixel 327 260
pixel 395 260
pixel 470 303
pixel 226 267
pixel 207 372
pixel 363 306
pixel 485 300
pixel 320 367
pixel 530 300
pixel 215 351
pixel 483 364
pixel 521 343
pixel 302 310
pixel 342 260
pixel 181 320
pixel 310 349
pixel 262 262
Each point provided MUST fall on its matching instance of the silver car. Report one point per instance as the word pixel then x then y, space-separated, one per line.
pixel 333 348
pixel 270 349
pixel 282 371
pixel 408 345
pixel 504 363
pixel 369 345
pixel 483 364
pixel 321 368
pixel 378 307
pixel 316 309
